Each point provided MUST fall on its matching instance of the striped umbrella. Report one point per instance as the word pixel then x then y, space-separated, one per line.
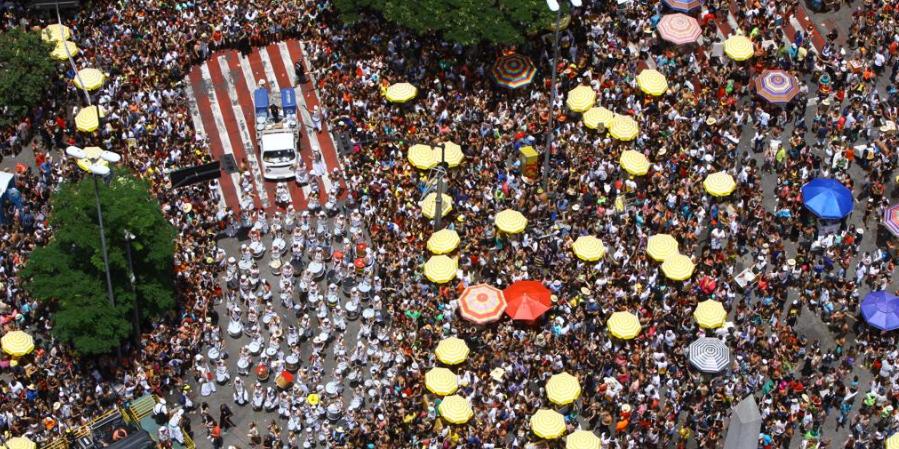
pixel 20 443
pixel 429 205
pixel 679 29
pixel 56 32
pixel 451 351
pixel 634 162
pixel 777 86
pixel 589 248
pixel 582 439
pixel 441 381
pixel 738 48
pixel 510 221
pixel 422 156
pixel 548 424
pixel 581 98
pixel 87 120
pixel 17 343
pixel 624 325
pixel 652 82
pixel 624 128
pixel 719 184
pixel 563 389
pixel 661 247
pixel 443 241
pixel 683 5
pixel 455 409
pixel 400 92
pixel 891 219
pixel 709 355
pixel 92 79
pixel 678 267
pixel 710 314
pixel 482 304
pixel 63 49
pixel 451 154
pixel 441 269
pixel 893 442
pixel 513 71
pixel 596 116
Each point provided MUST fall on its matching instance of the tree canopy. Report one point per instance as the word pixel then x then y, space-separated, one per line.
pixel 463 21
pixel 25 73
pixel 68 274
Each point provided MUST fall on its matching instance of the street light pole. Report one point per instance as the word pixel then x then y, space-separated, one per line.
pixel 553 95
pixel 103 241
pixel 438 212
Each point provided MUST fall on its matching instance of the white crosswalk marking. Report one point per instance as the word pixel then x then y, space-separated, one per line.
pixel 200 132
pixel 220 126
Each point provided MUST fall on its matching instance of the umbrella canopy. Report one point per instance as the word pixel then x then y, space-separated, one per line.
pixel 582 439
pixel 527 300
pixel 777 86
pixel 451 351
pixel 683 5
pixel 634 162
pixel 400 92
pixel 719 184
pixel 60 54
pixel 455 409
pixel 482 304
pixel 443 241
pixel 624 128
pixel 881 310
pixel 510 221
pixel 678 267
pixel 20 443
pixel 652 82
pixel 548 424
pixel 827 198
pixel 581 98
pixel 513 71
pixel 589 248
pixel 738 48
pixel 89 79
pixel 441 269
pixel 563 389
pixel 87 120
pixel 891 219
pixel 429 205
pixel 893 442
pixel 421 157
pixel 710 314
pixel 17 343
pixel 709 355
pixel 452 154
pixel 624 325
pixel 56 32
pixel 661 247
pixel 679 29
pixel 744 427
pixel 441 381
pixel 596 115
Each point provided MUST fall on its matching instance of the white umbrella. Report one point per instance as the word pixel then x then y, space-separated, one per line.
pixel 709 355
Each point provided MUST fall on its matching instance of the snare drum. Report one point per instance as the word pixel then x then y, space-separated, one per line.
pixel 292 363
pixel 243 367
pixel 255 348
pixel 368 313
pixel 317 270
pixel 275 265
pixel 235 329
pixel 334 413
pixel 352 310
pixel 213 354
pixel 271 351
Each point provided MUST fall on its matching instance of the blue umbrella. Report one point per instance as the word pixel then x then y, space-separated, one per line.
pixel 827 198
pixel 881 310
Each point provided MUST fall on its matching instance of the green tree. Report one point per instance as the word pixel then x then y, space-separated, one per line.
pixel 463 21
pixel 25 73
pixel 68 274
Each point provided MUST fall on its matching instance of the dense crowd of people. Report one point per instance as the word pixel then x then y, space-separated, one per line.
pixel 640 393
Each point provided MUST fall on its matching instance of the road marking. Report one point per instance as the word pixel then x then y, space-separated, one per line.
pixel 222 130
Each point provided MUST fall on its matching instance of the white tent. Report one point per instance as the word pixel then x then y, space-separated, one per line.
pixel 744 427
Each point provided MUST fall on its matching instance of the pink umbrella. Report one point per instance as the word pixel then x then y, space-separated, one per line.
pixel 482 304
pixel 679 29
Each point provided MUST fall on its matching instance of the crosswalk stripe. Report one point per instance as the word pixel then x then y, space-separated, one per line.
pixel 199 131
pixel 221 129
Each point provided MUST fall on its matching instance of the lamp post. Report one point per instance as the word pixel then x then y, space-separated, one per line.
pixel 129 237
pixel 556 8
pixel 96 162
pixel 441 171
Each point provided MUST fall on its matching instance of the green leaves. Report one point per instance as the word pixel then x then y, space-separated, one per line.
pixel 68 273
pixel 25 72
pixel 462 21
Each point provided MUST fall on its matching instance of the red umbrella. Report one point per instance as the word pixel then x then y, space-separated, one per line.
pixel 359 263
pixel 360 248
pixel 527 300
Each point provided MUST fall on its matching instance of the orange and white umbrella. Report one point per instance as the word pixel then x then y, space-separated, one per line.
pixel 482 304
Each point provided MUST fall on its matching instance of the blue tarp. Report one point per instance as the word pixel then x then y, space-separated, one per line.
pixel 260 101
pixel 288 101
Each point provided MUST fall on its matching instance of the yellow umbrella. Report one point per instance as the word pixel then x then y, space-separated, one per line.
pixel 738 48
pixel 429 205
pixel 624 128
pixel 421 157
pixel 400 92
pixel 652 82
pixel 597 115
pixel 893 442
pixel 661 247
pixel 17 343
pixel 634 162
pixel 90 79
pixel 548 424
pixel 20 443
pixel 441 269
pixel 452 154
pixel 710 314
pixel 313 399
pixel 719 184
pixel 455 409
pixel 563 389
pixel 624 325
pixel 581 98
pixel 589 248
pixel 59 53
pixel 87 120
pixel 56 32
pixel 443 241
pixel 441 381
pixel 451 351
pixel 582 439
pixel 511 221
pixel 678 267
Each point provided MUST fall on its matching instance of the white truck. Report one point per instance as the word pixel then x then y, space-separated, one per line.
pixel 277 139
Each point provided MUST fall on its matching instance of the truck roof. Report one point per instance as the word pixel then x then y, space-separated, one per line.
pixel 281 139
